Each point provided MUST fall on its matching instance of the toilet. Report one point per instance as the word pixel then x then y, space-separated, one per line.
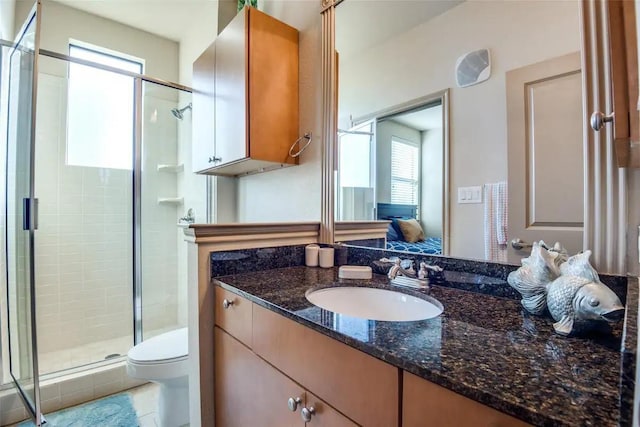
pixel 164 359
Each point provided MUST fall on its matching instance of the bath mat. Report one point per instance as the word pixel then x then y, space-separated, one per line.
pixel 111 411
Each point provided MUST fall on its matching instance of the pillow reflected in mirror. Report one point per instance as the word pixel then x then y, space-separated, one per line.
pixel 411 230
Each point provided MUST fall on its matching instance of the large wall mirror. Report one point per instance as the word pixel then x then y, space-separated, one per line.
pixel 499 157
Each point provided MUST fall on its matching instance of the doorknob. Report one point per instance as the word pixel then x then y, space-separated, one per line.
pixel 598 120
pixel 518 244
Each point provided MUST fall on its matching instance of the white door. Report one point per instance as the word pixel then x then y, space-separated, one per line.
pixel 545 155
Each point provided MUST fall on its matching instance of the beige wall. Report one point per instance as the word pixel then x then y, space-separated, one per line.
pixel 517 33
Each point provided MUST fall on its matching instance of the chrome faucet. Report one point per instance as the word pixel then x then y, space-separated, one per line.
pixel 397 269
pixel 407 277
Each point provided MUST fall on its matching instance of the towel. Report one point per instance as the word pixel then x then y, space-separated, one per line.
pixel 495 222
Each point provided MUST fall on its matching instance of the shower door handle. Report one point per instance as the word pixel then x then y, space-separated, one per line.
pixel 29 213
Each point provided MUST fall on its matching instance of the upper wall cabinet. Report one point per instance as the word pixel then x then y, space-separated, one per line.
pixel 245 98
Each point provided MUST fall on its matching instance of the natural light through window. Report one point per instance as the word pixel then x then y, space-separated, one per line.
pixel 404 172
pixel 100 111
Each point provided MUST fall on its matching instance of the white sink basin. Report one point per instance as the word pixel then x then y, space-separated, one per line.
pixel 374 304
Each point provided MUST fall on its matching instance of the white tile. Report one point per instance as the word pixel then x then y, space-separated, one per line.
pixel 76 398
pixel 145 399
pixel 75 385
pixel 108 388
pixel 148 420
pixel 12 416
pixel 109 375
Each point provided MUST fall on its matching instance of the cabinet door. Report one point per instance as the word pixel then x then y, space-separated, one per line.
pixel 231 91
pixel 426 404
pixel 356 384
pixel 234 316
pixel 248 391
pixel 324 415
pixel 203 111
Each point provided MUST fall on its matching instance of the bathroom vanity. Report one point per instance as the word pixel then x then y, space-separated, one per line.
pixel 279 360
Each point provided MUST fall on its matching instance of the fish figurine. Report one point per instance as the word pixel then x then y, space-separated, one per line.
pixel 571 291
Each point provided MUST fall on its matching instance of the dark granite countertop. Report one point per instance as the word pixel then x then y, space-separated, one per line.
pixel 484 347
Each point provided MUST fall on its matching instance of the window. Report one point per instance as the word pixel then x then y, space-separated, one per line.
pixel 404 172
pixel 100 111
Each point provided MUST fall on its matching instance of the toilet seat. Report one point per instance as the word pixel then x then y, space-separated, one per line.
pixel 167 347
pixel 162 357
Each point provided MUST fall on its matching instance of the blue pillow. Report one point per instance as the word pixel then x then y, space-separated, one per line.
pixel 396 227
pixel 392 234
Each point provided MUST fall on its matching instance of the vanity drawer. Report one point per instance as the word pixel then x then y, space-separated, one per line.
pixel 427 404
pixel 233 314
pixel 360 386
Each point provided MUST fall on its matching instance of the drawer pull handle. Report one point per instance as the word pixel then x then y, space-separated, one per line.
pixel 307 413
pixel 293 403
pixel 227 303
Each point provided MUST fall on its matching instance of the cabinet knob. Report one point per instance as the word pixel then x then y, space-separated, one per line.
pixel 293 403
pixel 227 303
pixel 214 159
pixel 307 413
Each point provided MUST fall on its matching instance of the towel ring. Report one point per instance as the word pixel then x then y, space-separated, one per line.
pixel 306 136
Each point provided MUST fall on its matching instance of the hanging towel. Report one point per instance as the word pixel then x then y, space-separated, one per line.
pixel 495 222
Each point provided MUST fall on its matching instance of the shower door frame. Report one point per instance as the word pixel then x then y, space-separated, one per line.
pixel 138 82
pixel 29 219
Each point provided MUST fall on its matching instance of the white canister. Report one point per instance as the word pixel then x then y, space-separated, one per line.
pixel 311 255
pixel 326 257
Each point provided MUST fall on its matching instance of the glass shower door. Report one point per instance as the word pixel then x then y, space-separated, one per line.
pixel 21 214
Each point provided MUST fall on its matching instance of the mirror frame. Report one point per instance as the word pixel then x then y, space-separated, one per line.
pixel 605 228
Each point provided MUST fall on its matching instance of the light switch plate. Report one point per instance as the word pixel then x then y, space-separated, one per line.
pixel 470 194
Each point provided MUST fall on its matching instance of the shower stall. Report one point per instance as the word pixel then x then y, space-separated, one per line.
pixel 92 207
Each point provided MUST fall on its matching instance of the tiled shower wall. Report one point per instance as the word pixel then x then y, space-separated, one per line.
pixel 84 241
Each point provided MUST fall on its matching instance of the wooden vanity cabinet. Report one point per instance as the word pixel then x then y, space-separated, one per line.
pixel 248 390
pixel 427 404
pixel 249 81
pixel 360 386
pixel 263 358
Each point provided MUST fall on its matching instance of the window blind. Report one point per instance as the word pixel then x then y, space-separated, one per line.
pixel 404 172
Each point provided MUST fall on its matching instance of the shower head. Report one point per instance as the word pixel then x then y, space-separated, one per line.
pixel 179 113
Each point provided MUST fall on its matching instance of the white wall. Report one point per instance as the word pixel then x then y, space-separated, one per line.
pixel 7 11
pixel 431 183
pixel 517 33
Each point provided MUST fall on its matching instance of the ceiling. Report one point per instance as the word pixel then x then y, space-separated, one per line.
pixel 361 24
pixel 427 119
pixel 164 18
